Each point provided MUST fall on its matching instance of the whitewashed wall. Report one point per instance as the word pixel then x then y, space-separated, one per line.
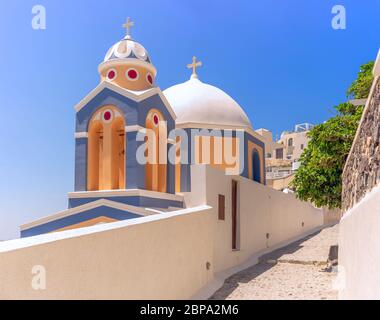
pixel 359 248
pixel 163 256
pixel 262 210
pixel 140 259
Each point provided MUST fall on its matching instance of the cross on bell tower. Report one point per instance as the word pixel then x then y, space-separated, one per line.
pixel 127 26
pixel 194 66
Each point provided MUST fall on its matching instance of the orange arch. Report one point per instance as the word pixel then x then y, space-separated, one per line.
pixel 106 150
pixel 156 167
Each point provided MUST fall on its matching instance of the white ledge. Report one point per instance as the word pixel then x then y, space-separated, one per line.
pixel 133 128
pixel 78 135
pixel 125 193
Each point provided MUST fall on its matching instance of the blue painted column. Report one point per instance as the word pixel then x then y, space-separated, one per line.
pixel 244 163
pixel 134 172
pixel 170 174
pixel 185 178
pixel 186 167
pixel 80 164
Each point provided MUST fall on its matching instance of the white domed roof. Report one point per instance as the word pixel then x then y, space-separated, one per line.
pixel 127 49
pixel 197 102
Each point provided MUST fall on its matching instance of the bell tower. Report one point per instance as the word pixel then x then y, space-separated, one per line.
pixel 112 182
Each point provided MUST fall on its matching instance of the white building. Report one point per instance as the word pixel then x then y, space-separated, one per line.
pixel 282 156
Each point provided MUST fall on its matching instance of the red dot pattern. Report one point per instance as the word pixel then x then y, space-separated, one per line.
pixel 150 78
pixel 111 74
pixel 107 115
pixel 155 119
pixel 132 74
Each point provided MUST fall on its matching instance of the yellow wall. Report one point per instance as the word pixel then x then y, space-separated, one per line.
pixel 219 152
pixel 122 81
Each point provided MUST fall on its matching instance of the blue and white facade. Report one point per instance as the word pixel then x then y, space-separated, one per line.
pixel 191 110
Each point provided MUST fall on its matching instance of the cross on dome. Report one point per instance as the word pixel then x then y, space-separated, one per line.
pixel 194 66
pixel 127 26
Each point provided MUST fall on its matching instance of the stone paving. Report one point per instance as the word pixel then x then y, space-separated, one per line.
pixel 297 271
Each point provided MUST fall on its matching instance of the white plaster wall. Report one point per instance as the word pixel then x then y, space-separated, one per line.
pixel 162 256
pixel 359 249
pixel 262 210
pixel 198 194
pixel 160 259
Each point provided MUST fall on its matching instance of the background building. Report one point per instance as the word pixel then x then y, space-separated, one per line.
pixel 283 155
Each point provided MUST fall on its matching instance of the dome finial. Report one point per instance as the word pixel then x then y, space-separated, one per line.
pixel 194 66
pixel 127 26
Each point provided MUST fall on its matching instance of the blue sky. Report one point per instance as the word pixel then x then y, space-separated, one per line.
pixel 280 60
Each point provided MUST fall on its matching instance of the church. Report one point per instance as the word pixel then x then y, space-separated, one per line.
pixel 136 146
pixel 169 199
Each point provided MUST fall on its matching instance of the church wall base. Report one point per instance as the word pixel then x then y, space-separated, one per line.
pixel 171 255
pixel 359 250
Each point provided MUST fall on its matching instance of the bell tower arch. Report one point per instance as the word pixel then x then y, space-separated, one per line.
pixel 106 150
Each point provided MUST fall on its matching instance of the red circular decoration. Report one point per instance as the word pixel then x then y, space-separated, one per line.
pixel 107 115
pixel 155 119
pixel 132 73
pixel 111 74
pixel 149 78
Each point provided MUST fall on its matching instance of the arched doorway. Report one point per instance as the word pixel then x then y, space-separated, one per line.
pixel 155 170
pixel 256 166
pixel 106 150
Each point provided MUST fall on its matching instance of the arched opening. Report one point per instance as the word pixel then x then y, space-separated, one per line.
pixel 156 167
pixel 106 150
pixel 118 153
pixel 256 166
pixel 95 155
